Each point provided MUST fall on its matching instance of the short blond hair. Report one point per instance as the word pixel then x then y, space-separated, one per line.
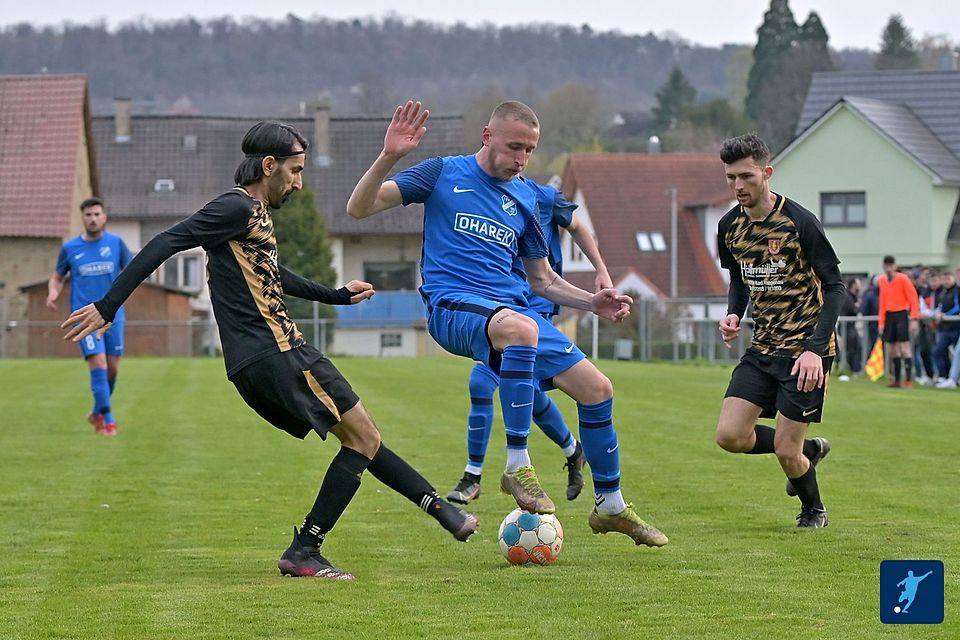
pixel 515 110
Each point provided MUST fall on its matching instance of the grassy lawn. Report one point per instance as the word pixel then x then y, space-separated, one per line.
pixel 173 529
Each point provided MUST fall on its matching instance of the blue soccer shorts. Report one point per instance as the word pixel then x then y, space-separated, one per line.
pixel 111 343
pixel 460 326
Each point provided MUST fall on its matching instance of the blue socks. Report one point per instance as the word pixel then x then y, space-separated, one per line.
pixel 101 393
pixel 600 446
pixel 516 401
pixel 483 382
pixel 547 416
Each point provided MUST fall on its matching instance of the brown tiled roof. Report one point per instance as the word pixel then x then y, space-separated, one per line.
pixel 42 122
pixel 627 193
pixel 156 151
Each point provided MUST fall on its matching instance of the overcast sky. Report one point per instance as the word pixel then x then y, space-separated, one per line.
pixel 850 23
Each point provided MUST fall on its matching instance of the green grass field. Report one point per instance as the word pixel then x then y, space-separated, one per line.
pixel 173 529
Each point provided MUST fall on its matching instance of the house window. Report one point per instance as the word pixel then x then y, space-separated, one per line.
pixel 163 185
pixel 843 209
pixel 391 276
pixel 183 272
pixel 651 241
pixel 391 340
pixel 190 142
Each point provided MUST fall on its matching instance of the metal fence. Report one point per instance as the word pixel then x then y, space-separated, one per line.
pixel 678 330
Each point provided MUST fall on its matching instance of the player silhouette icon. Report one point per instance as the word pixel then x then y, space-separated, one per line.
pixel 909 585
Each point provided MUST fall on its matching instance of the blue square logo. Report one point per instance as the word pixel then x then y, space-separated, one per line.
pixel 911 592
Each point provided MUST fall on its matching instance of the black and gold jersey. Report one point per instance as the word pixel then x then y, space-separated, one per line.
pixel 243 270
pixel 786 262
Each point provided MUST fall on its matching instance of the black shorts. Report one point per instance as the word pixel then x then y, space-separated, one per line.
pixel 765 381
pixel 297 391
pixel 896 326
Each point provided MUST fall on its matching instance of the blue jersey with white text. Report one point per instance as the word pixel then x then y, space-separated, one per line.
pixel 554 211
pixel 474 228
pixel 93 265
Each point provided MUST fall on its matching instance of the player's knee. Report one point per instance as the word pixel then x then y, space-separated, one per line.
pixel 357 431
pixel 482 384
pixel 790 460
pixel 730 440
pixel 598 389
pixel 514 330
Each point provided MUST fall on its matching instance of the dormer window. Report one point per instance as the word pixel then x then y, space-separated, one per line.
pixel 163 185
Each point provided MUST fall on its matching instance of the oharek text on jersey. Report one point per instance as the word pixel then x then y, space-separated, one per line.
pixel 484 228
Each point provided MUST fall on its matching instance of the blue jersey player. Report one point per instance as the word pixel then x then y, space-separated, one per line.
pixel 93 261
pixel 554 213
pixel 479 217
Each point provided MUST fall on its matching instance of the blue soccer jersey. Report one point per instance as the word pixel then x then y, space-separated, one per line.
pixel 474 228
pixel 554 211
pixel 93 266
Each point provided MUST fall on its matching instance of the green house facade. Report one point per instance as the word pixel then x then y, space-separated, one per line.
pixel 877 158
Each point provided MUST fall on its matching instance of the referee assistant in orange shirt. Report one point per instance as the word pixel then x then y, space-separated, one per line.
pixel 899 311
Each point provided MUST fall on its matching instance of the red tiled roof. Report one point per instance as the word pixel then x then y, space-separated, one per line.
pixel 42 121
pixel 627 193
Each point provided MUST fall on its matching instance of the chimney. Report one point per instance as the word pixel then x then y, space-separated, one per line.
pixel 122 113
pixel 321 136
pixel 653 145
pixel 949 61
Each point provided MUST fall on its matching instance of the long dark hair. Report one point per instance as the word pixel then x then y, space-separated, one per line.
pixel 267 138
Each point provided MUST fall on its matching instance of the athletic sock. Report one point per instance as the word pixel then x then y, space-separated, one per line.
pixel 807 489
pixel 113 384
pixel 516 401
pixel 101 390
pixel 339 485
pixel 810 449
pixel 396 473
pixel 483 383
pixel 764 442
pixel 896 369
pixel 609 503
pixel 601 448
pixel 547 416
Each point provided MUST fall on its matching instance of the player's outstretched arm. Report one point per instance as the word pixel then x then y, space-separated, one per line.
pixel 583 238
pixel 374 193
pixel 545 282
pixel 296 285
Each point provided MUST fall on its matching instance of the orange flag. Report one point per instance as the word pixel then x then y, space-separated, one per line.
pixel 874 368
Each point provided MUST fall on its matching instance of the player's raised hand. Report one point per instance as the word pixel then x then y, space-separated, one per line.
pixel 405 129
pixel 83 322
pixel 609 304
pixel 729 329
pixel 359 291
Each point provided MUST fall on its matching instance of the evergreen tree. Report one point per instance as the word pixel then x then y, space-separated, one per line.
pixel 776 103
pixel 898 50
pixel 673 99
pixel 775 38
pixel 303 248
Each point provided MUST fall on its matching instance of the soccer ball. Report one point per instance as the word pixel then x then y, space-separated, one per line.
pixel 530 538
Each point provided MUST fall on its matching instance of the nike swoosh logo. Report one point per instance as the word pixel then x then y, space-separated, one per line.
pixel 474 428
pixel 78 256
pixel 615 447
pixel 517 406
pixel 459 190
pixel 806 413
pixel 568 349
